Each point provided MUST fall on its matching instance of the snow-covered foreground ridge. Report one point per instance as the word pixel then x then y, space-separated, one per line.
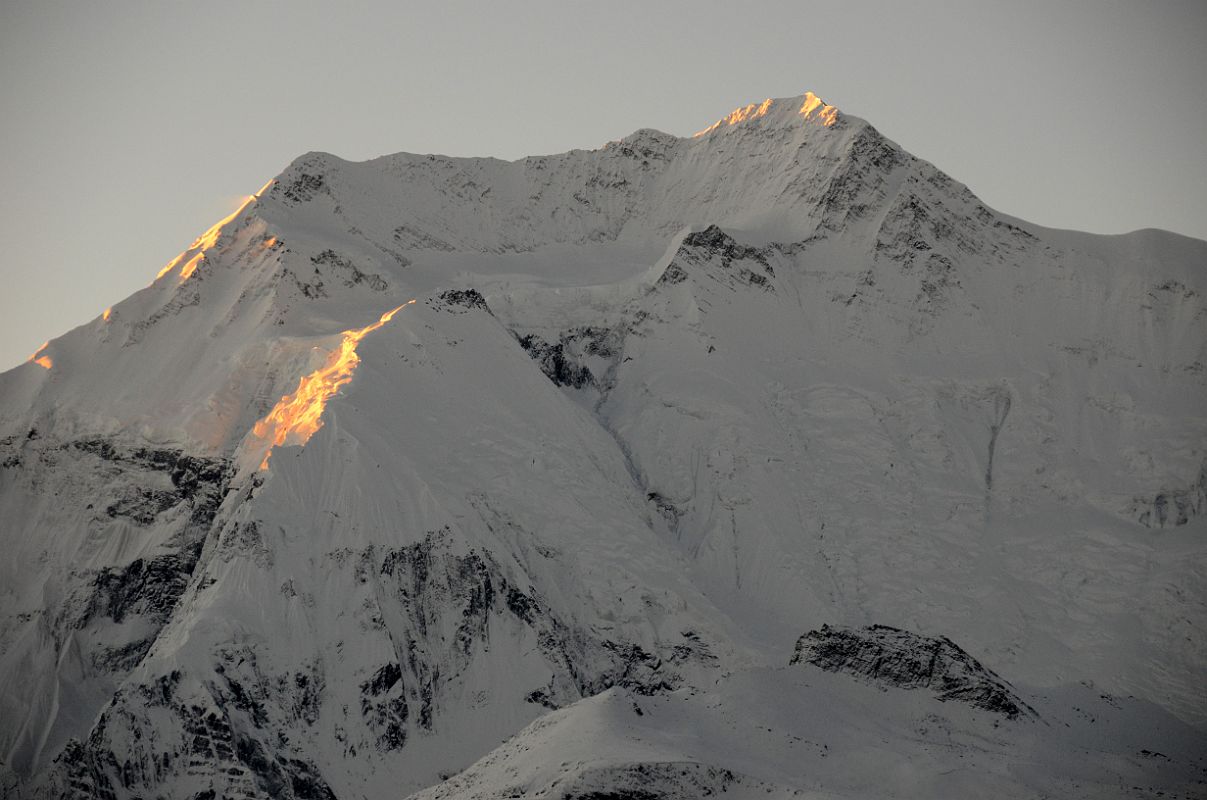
pixel 767 461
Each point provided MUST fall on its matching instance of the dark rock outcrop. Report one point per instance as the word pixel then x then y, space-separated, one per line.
pixel 715 251
pixel 465 298
pixel 893 657
pixel 563 361
pixel 1173 507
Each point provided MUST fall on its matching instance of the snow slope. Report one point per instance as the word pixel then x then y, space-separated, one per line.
pixel 658 410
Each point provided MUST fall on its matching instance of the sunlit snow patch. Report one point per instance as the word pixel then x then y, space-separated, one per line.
pixel 207 240
pixel 813 108
pixel 43 360
pixel 297 416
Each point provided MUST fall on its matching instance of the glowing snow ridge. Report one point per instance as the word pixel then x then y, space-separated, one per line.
pixel 207 240
pixel 42 361
pixel 297 416
pixel 739 115
pixel 828 114
pixel 813 108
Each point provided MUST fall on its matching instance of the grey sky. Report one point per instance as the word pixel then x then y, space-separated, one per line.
pixel 128 128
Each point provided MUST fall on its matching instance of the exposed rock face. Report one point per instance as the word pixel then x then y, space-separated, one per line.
pixel 555 365
pixel 465 298
pixel 226 724
pixel 893 657
pixel 713 254
pixel 98 619
pixel 1175 506
pixel 566 361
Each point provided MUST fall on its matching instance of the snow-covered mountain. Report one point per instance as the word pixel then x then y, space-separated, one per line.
pixel 767 461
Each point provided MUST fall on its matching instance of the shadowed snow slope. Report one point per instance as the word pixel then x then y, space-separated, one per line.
pixel 658 411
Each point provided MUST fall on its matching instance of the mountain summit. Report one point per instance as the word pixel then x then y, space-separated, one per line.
pixel 792 110
pixel 767 461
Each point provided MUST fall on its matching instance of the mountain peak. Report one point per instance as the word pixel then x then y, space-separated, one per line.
pixel 657 417
pixel 808 107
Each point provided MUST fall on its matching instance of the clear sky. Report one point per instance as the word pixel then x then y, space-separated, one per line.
pixel 127 128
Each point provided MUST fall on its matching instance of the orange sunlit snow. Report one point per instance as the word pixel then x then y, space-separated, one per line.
pixel 190 266
pixel 827 115
pixel 169 266
pixel 814 108
pixel 42 361
pixel 739 115
pixel 208 239
pixel 297 416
